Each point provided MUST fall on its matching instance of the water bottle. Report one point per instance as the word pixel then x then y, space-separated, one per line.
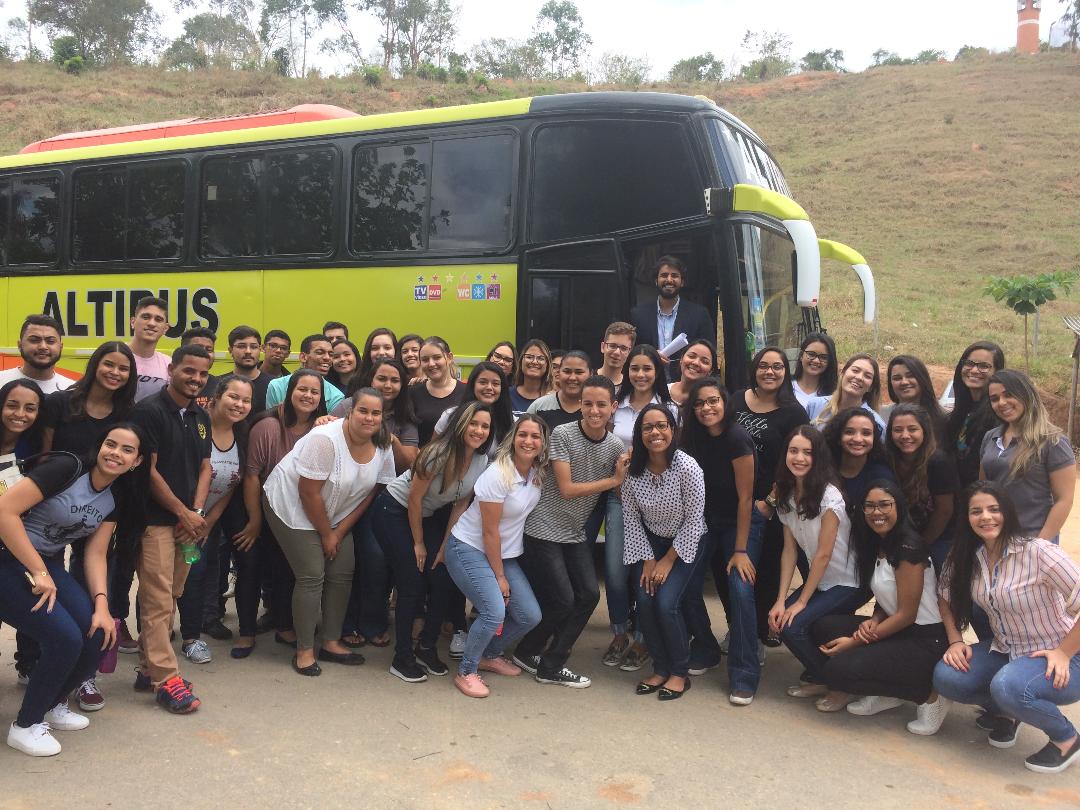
pixel 191 551
pixel 108 658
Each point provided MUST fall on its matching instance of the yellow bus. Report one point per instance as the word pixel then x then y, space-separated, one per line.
pixel 534 217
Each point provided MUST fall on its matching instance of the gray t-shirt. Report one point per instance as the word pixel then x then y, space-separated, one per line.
pixel 68 513
pixel 1030 492
pixel 435 498
pixel 559 519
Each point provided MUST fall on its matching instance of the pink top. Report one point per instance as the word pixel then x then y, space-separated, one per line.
pixel 268 443
pixel 1032 596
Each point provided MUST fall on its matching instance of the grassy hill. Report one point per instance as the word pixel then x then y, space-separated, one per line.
pixel 941 175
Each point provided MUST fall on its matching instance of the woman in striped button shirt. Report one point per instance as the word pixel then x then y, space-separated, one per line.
pixel 1030 590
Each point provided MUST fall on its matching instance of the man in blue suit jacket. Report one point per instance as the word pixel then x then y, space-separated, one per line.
pixel 659 322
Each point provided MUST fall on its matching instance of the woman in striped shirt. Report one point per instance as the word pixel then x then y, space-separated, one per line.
pixel 1030 589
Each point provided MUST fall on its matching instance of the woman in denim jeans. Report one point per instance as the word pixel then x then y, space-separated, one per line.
pixel 1030 589
pixel 815 519
pixel 482 554
pixel 725 452
pixel 664 506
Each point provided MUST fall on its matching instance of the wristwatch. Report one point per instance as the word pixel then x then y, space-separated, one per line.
pixel 770 499
pixel 200 512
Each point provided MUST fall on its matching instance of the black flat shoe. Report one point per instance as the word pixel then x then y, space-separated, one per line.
pixel 647 688
pixel 672 694
pixel 311 670
pixel 348 659
pixel 241 652
pixel 280 639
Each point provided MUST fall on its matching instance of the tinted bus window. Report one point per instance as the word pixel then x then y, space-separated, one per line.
pixel 601 176
pixel 155 214
pixel 228 224
pixel 5 216
pixel 390 188
pixel 300 191
pixel 471 186
pixel 34 218
pixel 98 232
pixel 751 163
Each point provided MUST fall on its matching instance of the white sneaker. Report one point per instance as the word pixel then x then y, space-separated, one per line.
pixel 61 718
pixel 929 717
pixel 35 741
pixel 457 644
pixel 873 704
pixel 230 591
pixel 724 644
pixel 197 652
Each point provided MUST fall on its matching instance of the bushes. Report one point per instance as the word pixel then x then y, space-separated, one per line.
pixel 372 76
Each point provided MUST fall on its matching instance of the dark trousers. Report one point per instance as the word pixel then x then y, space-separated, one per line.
pixel 563 579
pixel 123 574
pixel 68 657
pixel 390 522
pixel 201 601
pixel 704 648
pixel 900 666
pixel 767 582
pixel 368 611
pixel 282 580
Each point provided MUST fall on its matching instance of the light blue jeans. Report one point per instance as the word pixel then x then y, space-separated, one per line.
pixel 1016 689
pixel 471 572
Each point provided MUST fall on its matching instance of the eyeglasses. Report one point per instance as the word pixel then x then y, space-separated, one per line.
pixel 532 358
pixel 655 427
pixel 824 358
pixel 502 358
pixel 712 402
pixel 881 506
pixel 615 347
pixel 777 367
pixel 983 367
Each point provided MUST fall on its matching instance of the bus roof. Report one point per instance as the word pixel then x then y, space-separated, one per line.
pixel 168 136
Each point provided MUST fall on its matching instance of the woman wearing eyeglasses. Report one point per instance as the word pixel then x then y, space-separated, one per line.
pixel 971 416
pixel 816 369
pixel 533 378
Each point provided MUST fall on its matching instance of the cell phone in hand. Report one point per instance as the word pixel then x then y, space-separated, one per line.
pixel 30 579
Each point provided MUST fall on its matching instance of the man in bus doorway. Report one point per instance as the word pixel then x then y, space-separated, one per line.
pixel 659 324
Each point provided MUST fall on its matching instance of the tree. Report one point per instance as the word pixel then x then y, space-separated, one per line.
pixel 508 59
pixel 618 68
pixel 108 31
pixel 210 39
pixel 829 60
pixel 1071 19
pixel 289 24
pixel 426 31
pixel 1025 294
pixel 971 52
pixel 884 57
pixel 929 57
pixel 772 55
pixel 559 36
pixel 701 68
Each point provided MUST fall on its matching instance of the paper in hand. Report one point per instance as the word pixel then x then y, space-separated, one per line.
pixel 677 345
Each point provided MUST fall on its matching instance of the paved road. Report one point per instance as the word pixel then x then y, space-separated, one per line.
pixel 266 737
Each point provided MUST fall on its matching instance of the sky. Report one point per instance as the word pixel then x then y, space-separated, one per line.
pixel 664 31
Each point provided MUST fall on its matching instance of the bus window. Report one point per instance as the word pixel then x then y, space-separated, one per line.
pixel 300 191
pixel 5 214
pixel 390 185
pixel 228 220
pixel 471 186
pixel 34 218
pixel 593 177
pixel 125 213
pixel 751 163
pixel 765 263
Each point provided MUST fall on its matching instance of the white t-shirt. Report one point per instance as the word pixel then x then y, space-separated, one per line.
pixel 57 382
pixel 841 569
pixel 518 499
pixel 153 374
pixel 323 455
pixel 224 473
pixel 883 584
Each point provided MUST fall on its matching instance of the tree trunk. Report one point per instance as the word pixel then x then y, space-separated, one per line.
pixel 1027 356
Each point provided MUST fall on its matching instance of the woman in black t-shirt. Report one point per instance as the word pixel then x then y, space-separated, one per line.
pixel 725 452
pixel 440 390
pixel 53 505
pixel 971 416
pixel 927 476
pixel 768 411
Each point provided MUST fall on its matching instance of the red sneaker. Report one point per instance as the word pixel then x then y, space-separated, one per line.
pixel 175 695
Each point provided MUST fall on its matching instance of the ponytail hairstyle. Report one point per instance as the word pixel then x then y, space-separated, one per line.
pixel 822 473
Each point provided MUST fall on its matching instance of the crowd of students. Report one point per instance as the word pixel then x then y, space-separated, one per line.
pixel 376 476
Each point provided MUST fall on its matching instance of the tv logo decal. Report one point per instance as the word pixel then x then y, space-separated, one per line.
pixel 477 290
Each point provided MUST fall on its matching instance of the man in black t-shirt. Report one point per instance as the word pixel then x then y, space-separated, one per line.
pixel 179 441
pixel 244 343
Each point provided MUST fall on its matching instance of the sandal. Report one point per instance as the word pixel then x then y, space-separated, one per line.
pixel 353 641
pixel 381 640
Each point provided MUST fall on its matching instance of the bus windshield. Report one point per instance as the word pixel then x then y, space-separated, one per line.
pixel 751 164
pixel 765 261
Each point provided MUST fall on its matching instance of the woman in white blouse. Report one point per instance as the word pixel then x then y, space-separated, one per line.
pixel 482 554
pixel 314 497
pixel 1030 589
pixel 664 518
pixel 812 511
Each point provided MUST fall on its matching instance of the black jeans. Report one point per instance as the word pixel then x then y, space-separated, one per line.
pixel 900 666
pixel 201 600
pixel 563 578
pixel 390 521
pixel 282 580
pixel 368 611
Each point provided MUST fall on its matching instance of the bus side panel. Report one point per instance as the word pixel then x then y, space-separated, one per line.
pixel 93 309
pixel 472 307
pixel 9 335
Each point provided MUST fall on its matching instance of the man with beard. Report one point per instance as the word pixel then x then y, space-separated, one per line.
pixel 315 354
pixel 40 345
pixel 244 345
pixel 658 325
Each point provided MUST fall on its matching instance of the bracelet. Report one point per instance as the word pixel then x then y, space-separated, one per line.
pixel 740 551
pixel 957 642
pixel 96 595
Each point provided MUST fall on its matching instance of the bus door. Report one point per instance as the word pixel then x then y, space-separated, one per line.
pixel 570 292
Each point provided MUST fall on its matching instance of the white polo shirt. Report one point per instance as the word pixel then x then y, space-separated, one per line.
pixel 518 498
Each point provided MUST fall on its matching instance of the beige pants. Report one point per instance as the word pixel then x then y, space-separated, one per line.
pixel 162 574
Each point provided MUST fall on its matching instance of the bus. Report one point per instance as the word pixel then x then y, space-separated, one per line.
pixel 533 217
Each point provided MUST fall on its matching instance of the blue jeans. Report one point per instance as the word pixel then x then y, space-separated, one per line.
pixel 471 572
pixel 837 600
pixel 1016 689
pixel 68 657
pixel 744 671
pixel 660 615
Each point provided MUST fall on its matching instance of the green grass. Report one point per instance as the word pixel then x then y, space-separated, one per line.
pixel 941 175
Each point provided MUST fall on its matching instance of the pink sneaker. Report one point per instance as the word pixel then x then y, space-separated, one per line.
pixel 500 666
pixel 471 685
